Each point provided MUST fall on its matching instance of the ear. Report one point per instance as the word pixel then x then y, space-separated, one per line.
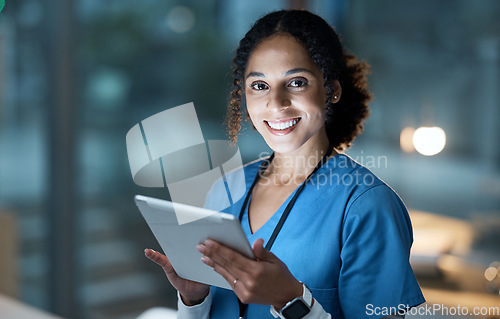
pixel 337 91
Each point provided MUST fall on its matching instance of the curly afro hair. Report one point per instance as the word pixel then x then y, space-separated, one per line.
pixel 344 119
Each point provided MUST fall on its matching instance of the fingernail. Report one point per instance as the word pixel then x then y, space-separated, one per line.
pixel 200 248
pixel 205 260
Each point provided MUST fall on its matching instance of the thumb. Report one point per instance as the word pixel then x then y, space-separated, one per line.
pixel 159 259
pixel 261 253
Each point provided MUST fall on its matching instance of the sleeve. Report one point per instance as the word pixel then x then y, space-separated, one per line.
pixel 200 311
pixel 376 278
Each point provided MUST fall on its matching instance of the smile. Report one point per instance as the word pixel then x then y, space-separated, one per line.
pixel 282 127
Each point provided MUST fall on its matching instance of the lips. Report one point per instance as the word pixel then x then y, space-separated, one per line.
pixel 282 127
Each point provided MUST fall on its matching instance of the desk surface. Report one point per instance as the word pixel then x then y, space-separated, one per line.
pixel 14 309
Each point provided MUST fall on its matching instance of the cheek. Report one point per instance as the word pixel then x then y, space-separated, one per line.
pixel 252 104
pixel 321 97
pixel 253 119
pixel 321 102
pixel 316 105
pixel 251 111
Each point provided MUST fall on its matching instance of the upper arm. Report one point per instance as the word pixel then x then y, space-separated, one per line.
pixel 376 278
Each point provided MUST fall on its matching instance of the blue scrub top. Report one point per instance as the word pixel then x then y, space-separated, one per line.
pixel 348 238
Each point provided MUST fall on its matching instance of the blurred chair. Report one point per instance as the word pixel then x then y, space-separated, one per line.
pixel 9 284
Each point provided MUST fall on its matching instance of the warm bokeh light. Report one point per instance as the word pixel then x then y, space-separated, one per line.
pixel 406 139
pixel 490 273
pixel 429 140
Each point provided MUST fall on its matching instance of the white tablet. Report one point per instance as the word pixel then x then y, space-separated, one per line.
pixel 179 239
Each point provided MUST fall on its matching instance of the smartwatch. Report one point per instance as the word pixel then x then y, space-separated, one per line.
pixel 297 308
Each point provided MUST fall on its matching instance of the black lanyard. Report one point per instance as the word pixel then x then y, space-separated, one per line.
pixel 243 307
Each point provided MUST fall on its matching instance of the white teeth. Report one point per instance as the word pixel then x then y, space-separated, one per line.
pixel 282 125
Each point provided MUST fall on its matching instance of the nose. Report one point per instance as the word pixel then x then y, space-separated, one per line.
pixel 279 100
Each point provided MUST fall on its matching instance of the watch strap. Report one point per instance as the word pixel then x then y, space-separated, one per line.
pixel 275 313
pixel 306 297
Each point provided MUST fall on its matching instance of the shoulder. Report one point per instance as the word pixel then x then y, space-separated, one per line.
pixel 375 198
pixel 377 212
pixel 343 175
pixel 367 197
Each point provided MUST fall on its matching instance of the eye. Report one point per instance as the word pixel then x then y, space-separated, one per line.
pixel 298 83
pixel 259 86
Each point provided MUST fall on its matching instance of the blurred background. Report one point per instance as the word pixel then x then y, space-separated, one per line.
pixel 75 76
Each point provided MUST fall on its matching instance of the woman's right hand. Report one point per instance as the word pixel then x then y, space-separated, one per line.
pixel 192 293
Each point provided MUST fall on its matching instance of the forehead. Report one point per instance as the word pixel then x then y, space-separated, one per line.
pixel 279 53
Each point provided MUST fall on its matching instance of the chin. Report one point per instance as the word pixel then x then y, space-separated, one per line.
pixel 282 147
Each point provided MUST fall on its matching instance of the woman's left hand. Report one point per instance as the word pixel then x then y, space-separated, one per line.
pixel 265 281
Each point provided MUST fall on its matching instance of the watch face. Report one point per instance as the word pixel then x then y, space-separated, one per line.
pixel 296 310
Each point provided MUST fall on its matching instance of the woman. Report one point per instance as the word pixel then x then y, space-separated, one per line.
pixel 321 224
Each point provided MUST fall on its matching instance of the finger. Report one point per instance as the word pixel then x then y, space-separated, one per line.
pixel 262 253
pixel 157 257
pixel 231 260
pixel 160 260
pixel 230 278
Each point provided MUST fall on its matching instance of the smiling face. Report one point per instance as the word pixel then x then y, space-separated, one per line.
pixel 285 96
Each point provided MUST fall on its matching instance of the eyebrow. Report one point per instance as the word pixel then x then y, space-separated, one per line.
pixel 287 73
pixel 298 70
pixel 257 74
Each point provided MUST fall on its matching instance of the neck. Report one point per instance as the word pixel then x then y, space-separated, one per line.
pixel 294 167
